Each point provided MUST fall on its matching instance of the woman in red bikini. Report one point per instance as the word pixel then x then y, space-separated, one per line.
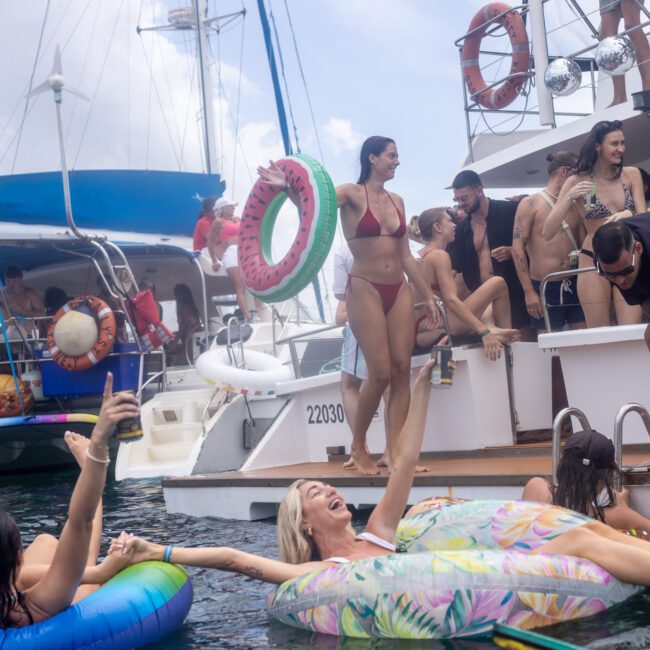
pixel 438 230
pixel 379 301
pixel 614 191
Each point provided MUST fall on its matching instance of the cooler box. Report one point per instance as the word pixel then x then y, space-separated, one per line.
pixel 58 382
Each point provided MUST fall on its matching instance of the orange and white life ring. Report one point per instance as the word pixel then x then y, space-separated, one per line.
pixel 506 93
pixel 71 352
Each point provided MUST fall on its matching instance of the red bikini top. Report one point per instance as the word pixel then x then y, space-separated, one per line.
pixel 369 225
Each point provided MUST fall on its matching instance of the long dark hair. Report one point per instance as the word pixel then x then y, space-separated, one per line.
pixel 375 146
pixel 588 154
pixel 580 485
pixel 11 550
pixel 184 297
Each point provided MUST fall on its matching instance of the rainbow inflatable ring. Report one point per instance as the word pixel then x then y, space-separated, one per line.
pixel 141 604
pixel 464 566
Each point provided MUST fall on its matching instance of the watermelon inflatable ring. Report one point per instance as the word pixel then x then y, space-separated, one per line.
pixel 274 282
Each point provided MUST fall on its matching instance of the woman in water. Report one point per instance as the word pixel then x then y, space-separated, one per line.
pixel 600 188
pixel 378 300
pixel 314 528
pixel 586 478
pixel 438 230
pixel 56 589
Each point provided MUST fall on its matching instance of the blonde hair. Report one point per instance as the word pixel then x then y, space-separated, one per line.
pixel 295 545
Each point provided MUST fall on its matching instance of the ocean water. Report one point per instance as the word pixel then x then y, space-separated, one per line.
pixel 229 611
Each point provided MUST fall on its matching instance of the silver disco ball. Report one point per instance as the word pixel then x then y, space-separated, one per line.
pixel 615 55
pixel 563 77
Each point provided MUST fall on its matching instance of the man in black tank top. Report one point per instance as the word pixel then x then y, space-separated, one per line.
pixel 621 255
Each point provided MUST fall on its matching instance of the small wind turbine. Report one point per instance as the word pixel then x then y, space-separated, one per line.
pixel 56 83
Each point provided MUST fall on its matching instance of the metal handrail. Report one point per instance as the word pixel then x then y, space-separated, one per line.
pixel 632 407
pixel 291 340
pixel 498 82
pixel 522 7
pixel 551 277
pixel 557 430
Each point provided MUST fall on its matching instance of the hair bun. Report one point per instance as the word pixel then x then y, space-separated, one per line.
pixel 549 157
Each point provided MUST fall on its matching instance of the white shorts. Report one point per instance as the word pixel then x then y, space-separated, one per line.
pixel 352 360
pixel 229 258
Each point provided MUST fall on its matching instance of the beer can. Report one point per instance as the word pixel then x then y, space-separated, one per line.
pixel 574 259
pixel 441 373
pixel 129 430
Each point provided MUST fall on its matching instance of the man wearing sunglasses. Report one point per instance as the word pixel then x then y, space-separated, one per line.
pixel 621 256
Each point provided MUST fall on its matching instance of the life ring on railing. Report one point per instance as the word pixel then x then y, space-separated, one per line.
pixel 276 282
pixel 506 93
pixel 259 377
pixel 81 333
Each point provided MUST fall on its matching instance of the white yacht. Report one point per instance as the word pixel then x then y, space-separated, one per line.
pixel 475 442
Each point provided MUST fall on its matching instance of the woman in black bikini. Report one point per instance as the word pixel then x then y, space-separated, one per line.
pixel 618 194
pixel 379 301
pixel 438 230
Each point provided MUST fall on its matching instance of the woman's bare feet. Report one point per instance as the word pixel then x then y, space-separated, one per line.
pixel 384 461
pixel 77 444
pixel 506 336
pixel 361 461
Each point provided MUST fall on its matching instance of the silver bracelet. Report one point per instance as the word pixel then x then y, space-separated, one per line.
pixel 103 461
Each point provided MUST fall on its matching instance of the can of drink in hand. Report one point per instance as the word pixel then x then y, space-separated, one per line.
pixel 442 372
pixel 129 430
pixel 574 259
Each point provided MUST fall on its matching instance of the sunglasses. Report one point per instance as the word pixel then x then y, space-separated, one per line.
pixel 615 274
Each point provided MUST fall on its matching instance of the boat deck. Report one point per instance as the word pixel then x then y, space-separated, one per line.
pixel 513 465
pixel 486 473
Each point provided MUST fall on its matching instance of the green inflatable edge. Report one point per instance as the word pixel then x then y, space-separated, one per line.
pixel 324 226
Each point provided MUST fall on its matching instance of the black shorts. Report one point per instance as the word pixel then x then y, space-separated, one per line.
pixel 563 304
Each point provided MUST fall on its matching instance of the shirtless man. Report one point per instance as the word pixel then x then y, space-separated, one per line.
pixel 548 256
pixel 482 247
pixel 23 301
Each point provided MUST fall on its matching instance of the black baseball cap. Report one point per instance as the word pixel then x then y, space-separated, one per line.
pixel 592 448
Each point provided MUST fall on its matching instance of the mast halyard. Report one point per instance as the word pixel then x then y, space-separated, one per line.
pixel 195 17
pixel 209 133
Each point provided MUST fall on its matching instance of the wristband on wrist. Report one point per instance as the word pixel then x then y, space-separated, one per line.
pixel 167 554
pixel 102 461
pixel 485 332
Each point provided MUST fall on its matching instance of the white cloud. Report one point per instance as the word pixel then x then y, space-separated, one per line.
pixel 341 136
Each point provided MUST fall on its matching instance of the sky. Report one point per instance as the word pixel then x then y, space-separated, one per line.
pixel 370 67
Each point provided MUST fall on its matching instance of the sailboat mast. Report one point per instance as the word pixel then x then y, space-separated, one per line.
pixel 209 133
pixel 279 102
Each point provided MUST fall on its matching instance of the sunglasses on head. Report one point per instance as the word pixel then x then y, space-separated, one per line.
pixel 615 274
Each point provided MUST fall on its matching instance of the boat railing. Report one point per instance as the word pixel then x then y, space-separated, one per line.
pixel 583 57
pixel 557 432
pixel 618 432
pixel 299 338
pixel 556 277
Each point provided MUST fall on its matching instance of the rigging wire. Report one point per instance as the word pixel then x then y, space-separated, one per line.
pixel 160 103
pixel 284 77
pixel 91 41
pixel 172 104
pixel 99 80
pixel 31 84
pixel 241 65
pixel 304 82
pixel 219 96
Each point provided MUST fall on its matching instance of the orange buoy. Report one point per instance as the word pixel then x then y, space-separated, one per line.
pixel 506 93
pixel 81 333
